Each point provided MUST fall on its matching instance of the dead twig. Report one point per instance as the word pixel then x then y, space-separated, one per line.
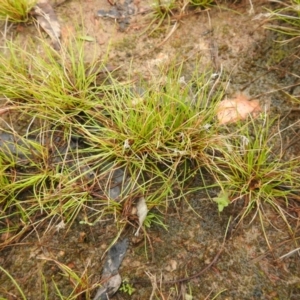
pixel 180 280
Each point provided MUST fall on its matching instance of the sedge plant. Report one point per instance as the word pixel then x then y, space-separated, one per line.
pixel 82 137
pixel 80 131
pixel 16 10
pixel 288 19
pixel 163 11
pixel 251 171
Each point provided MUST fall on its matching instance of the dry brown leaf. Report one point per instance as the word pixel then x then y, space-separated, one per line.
pixel 47 19
pixel 236 109
pixel 142 211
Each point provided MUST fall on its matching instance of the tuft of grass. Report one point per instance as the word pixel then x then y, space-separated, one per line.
pixel 286 21
pixel 252 171
pixel 288 17
pixel 85 136
pixel 79 131
pixel 16 10
pixel 161 11
pixel 164 11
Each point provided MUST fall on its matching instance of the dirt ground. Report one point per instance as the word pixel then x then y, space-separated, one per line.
pixel 234 42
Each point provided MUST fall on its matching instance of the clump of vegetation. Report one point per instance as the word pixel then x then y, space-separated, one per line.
pixel 85 133
pixel 16 10
pixel 288 16
pixel 127 288
pixel 251 170
pixel 164 11
pixel 286 21
pixel 90 146
pixel 81 130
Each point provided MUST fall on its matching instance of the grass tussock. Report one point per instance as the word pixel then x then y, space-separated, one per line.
pixel 88 146
pixel 16 10
pixel 288 19
pixel 253 171
pixel 164 12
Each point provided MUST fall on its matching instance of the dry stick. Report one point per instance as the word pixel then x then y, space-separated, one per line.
pixel 153 282
pixel 265 254
pixel 213 49
pixel 198 273
pixel 180 280
pixel 295 140
pixel 4 110
pixel 175 26
pixel 6 29
pixel 255 79
pixel 269 70
pixel 289 253
pixel 276 90
pixel 169 34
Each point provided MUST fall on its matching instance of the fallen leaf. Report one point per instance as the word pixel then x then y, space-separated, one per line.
pixel 142 211
pixel 238 108
pixel 47 19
